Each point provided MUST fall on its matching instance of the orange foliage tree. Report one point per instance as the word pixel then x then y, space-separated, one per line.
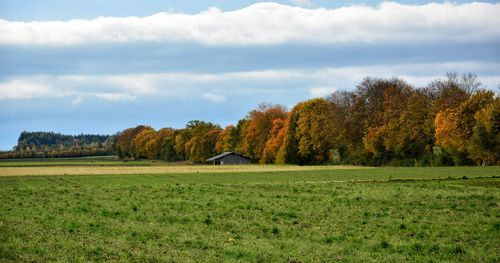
pixel 274 142
pixel 258 129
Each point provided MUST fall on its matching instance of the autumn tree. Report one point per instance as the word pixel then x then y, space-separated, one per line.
pixel 124 142
pixel 371 94
pixel 208 142
pixel 316 131
pixel 259 127
pixel 141 143
pixel 194 146
pixel 452 91
pixel 407 123
pixel 455 126
pixel 366 117
pixel 350 125
pixel 240 133
pixel 485 143
pixel 382 121
pixel 169 152
pixel 377 100
pixel 288 151
pixel 227 140
pixel 162 145
pixel 308 133
pixel 181 138
pixel 273 144
pixel 410 126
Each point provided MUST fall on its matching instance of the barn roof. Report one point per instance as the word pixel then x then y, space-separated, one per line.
pixel 218 156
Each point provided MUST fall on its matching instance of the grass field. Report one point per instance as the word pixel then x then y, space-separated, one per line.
pixel 77 161
pixel 155 169
pixel 311 214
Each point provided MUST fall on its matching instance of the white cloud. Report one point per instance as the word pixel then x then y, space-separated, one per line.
pixel 22 89
pixel 115 96
pixel 313 82
pixel 318 92
pixel 272 23
pixel 36 87
pixel 214 97
pixel 81 96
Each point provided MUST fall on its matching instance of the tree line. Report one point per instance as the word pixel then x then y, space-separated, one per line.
pixel 55 145
pixel 451 121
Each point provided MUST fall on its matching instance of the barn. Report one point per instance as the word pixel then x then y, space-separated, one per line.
pixel 229 158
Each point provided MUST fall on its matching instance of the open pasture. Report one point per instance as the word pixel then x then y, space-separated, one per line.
pixel 156 169
pixel 306 214
pixel 77 161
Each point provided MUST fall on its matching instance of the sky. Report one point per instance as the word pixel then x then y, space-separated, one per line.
pixel 100 66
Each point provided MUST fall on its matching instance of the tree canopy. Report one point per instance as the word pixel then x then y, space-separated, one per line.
pixel 454 120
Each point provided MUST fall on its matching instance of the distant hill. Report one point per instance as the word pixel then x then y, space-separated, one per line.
pixel 50 144
pixel 58 140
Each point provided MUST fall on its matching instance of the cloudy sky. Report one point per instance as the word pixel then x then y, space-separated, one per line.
pixel 99 66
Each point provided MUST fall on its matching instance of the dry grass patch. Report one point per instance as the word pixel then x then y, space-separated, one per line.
pixel 94 170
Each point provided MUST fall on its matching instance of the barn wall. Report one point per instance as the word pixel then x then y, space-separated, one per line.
pixel 234 159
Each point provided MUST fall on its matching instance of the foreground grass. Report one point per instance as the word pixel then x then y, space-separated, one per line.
pixel 311 216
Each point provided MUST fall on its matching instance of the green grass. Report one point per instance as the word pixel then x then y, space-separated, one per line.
pixel 382 214
pixel 85 158
pixel 326 175
pixel 77 161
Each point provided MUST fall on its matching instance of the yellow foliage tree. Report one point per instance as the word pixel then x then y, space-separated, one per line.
pixel 485 144
pixel 455 126
pixel 141 141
